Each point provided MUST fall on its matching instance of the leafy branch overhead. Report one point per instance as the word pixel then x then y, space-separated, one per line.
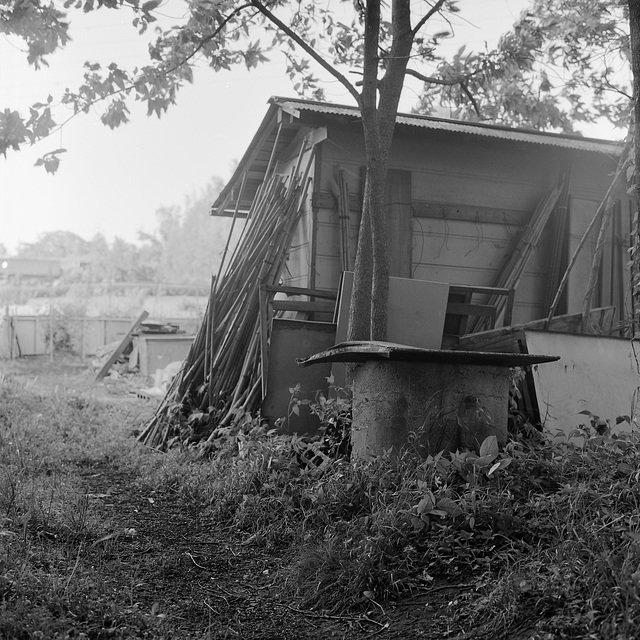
pixel 564 62
pixel 517 83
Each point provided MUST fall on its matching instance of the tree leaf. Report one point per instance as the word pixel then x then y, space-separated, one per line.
pixel 150 6
pixel 489 447
pixel 425 505
pixel 451 507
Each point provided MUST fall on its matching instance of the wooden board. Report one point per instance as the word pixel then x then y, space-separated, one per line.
pixel 505 338
pixel 399 214
pixel 469 213
pixel 126 341
pixel 416 311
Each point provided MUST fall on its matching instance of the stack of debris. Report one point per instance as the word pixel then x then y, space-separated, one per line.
pixel 221 376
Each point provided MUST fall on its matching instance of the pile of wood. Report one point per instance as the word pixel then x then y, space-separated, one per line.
pixel 220 380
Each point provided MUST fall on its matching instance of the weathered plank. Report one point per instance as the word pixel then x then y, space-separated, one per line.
pixel 126 341
pixel 399 233
pixel 470 213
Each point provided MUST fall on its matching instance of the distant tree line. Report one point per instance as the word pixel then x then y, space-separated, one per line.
pixel 185 248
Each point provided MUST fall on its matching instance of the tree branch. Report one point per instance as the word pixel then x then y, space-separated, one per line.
pixel 165 72
pixel 472 99
pixel 436 7
pixel 306 48
pixel 208 38
pixel 447 82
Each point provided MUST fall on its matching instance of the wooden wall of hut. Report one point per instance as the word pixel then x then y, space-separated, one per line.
pixel 469 196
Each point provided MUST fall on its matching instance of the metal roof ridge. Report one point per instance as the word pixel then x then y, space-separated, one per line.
pixel 447 123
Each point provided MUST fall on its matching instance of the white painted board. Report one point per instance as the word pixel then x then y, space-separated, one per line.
pixel 599 374
pixel 417 309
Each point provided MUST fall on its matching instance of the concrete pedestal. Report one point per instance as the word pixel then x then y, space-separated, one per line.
pixel 449 399
pixel 447 406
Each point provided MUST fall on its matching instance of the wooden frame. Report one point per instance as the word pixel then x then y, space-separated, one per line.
pixel 460 304
pixel 269 307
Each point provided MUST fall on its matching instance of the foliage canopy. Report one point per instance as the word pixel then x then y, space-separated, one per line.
pixel 562 63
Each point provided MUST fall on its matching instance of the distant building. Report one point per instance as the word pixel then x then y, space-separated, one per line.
pixel 31 270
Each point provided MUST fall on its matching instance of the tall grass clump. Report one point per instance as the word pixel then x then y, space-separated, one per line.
pixel 44 440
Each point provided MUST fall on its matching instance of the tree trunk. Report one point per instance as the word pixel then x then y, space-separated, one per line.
pixel 634 30
pixel 369 304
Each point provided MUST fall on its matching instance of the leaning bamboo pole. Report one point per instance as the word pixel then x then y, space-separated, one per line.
pixel 594 272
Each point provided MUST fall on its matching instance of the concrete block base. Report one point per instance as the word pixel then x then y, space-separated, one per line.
pixel 448 406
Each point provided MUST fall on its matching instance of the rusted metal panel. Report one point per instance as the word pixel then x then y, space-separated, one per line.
pixel 291 339
pixel 456 126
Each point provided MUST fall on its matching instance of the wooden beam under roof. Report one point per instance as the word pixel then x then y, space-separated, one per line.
pixel 273 133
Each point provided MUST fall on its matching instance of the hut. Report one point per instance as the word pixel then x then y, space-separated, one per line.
pixel 510 222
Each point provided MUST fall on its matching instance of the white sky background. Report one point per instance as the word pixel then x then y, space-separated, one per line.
pixel 113 182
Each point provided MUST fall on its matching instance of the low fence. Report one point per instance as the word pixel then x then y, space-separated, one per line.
pixel 30 335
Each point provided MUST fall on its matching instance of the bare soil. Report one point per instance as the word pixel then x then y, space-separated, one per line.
pixel 196 580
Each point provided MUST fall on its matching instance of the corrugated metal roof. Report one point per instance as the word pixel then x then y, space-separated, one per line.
pixel 268 139
pixel 295 105
pixel 30 267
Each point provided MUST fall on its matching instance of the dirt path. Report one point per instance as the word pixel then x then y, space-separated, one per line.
pixel 204 582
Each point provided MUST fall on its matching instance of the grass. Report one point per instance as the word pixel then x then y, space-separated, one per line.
pixel 47 522
pixel 545 535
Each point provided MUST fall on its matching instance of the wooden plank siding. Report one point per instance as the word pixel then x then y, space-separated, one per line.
pixel 399 227
pixel 455 203
pixel 346 158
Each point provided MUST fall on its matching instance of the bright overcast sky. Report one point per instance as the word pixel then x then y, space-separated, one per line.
pixel 113 182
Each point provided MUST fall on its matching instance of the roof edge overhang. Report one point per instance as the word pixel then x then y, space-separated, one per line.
pixel 257 142
pixel 290 109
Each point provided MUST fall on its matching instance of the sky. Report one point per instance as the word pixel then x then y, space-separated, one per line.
pixel 114 181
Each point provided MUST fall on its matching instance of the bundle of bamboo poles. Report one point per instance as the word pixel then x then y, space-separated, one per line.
pixel 221 376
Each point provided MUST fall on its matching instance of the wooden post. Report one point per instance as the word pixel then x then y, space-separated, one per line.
pixel 634 35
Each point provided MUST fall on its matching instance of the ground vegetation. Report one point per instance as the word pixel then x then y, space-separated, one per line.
pixel 103 538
